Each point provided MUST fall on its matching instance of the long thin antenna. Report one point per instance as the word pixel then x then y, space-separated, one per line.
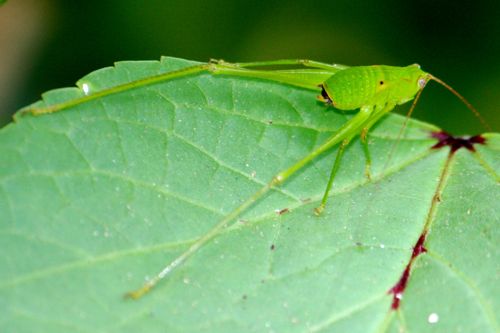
pixel 466 102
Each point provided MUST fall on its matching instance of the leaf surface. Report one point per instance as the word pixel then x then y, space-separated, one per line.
pixel 97 198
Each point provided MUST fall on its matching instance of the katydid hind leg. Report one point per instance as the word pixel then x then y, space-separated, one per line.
pixel 299 78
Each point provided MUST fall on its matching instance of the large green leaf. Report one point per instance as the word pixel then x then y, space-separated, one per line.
pixel 97 198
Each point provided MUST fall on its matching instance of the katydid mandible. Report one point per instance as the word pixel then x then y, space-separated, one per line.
pixel 374 90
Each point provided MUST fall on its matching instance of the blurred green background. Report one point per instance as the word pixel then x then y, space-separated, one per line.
pixel 46 44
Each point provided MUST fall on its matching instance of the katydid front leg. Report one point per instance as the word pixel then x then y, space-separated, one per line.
pixel 374 116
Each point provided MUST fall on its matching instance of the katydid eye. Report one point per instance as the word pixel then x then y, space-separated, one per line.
pixel 381 83
pixel 422 82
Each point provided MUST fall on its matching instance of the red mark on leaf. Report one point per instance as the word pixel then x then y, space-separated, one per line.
pixel 398 289
pixel 456 142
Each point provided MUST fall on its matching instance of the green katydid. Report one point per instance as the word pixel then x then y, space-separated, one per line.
pixel 374 90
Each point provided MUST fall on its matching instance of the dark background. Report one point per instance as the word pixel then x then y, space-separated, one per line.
pixel 52 43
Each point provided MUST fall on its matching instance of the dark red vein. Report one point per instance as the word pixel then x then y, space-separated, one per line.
pixel 457 142
pixel 398 289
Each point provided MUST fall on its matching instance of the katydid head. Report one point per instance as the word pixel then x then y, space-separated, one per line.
pixel 409 81
pixel 414 81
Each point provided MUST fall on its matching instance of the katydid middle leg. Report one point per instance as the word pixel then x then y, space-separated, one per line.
pixel 368 160
pixel 364 137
